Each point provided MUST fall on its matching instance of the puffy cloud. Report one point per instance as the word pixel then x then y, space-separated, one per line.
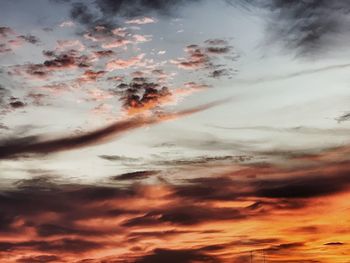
pixel 56 62
pixel 204 58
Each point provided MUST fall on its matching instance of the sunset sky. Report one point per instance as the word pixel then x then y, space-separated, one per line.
pixel 174 131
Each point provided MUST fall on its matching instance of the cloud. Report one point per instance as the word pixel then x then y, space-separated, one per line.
pixel 57 61
pixel 104 53
pixel 59 245
pixel 39 259
pixel 4 48
pixel 123 63
pixel 91 76
pixel 197 59
pixel 136 8
pixel 141 21
pixel 281 184
pixel 205 58
pixel 139 175
pixel 295 74
pixel 141 96
pixel 185 215
pixel 30 39
pixel 15 103
pixel 116 43
pixel 175 256
pixel 334 244
pixel 110 12
pixel 344 117
pixel 5 32
pixel 38 145
pixel 308 27
pixel 117 158
pixel 70 44
pixel 151 221
pixel 67 23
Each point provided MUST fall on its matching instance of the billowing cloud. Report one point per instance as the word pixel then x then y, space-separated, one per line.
pixel 45 219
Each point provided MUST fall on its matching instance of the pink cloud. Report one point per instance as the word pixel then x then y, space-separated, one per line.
pixel 116 43
pixel 122 64
pixel 70 44
pixel 142 38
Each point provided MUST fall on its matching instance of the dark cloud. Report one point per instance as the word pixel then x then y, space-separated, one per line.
pixel 205 58
pixel 284 248
pixel 38 145
pixel 67 59
pixel 49 230
pixel 142 235
pixel 5 31
pixel 104 53
pixel 139 175
pixel 334 244
pixel 56 62
pixel 59 245
pixel 175 256
pixel 81 13
pixel 219 73
pixel 30 39
pixel 203 160
pixel 39 259
pixel 175 209
pixel 285 190
pixel 16 103
pixel 216 42
pixel 109 12
pixel 136 8
pixel 309 27
pixel 218 50
pixel 304 187
pixel 185 215
pixel 141 94
pixel 344 117
pixel 118 158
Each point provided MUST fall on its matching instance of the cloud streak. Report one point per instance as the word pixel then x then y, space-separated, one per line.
pixel 36 144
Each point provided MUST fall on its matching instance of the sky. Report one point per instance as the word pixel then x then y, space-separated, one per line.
pixel 173 131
